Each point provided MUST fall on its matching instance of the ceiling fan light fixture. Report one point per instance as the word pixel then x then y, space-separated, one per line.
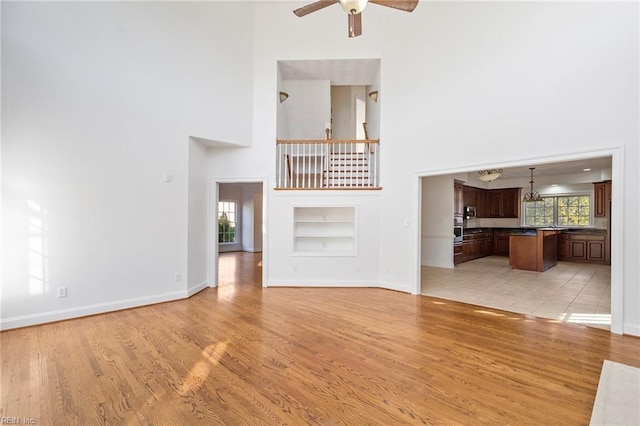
pixel 353 6
pixel 532 196
pixel 489 174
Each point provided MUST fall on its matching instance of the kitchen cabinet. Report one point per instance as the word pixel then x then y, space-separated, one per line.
pixel 501 243
pixel 470 196
pixel 563 247
pixel 458 198
pixel 534 251
pixel 477 245
pixel 602 197
pixel 490 203
pixel 457 254
pixel 583 247
pixel 588 248
pixel 482 203
pixel 504 203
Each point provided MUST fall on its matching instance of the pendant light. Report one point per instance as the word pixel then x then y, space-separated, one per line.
pixel 532 195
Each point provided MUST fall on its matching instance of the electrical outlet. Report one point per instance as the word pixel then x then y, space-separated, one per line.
pixel 178 277
pixel 62 292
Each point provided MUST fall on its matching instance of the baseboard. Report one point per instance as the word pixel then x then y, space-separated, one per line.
pixel 197 288
pixel 341 284
pixel 388 285
pixel 633 330
pixel 83 311
pixel 310 283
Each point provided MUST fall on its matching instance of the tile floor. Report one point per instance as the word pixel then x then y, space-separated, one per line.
pixel 569 292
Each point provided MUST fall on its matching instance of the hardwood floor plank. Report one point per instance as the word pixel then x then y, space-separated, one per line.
pixel 240 354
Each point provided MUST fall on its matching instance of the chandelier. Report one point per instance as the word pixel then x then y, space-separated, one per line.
pixel 532 195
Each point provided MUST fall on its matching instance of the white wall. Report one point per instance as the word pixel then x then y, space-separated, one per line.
pixel 282 118
pixel 98 102
pixel 198 207
pixel 258 207
pixel 288 269
pixel 252 217
pixel 437 221
pixel 342 124
pixel 345 120
pixel 308 108
pixel 373 108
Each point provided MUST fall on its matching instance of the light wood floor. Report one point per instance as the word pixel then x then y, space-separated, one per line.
pixel 245 355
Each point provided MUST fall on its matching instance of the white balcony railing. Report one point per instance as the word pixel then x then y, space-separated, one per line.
pixel 327 164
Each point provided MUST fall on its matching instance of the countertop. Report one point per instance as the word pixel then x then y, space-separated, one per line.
pixel 532 231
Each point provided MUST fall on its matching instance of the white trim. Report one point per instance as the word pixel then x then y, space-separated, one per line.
pixel 83 311
pixel 633 330
pixel 617 258
pixel 617 178
pixel 390 285
pixel 416 286
pixel 386 285
pixel 197 288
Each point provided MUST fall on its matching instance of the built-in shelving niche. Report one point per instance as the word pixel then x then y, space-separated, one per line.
pixel 325 231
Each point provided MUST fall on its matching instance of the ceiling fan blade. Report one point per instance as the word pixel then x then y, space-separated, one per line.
pixel 404 5
pixel 355 25
pixel 312 7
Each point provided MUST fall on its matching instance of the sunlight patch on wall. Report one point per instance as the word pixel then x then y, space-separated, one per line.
pixel 38 257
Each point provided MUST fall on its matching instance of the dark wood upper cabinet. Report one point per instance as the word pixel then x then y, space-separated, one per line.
pixel 482 203
pixel 504 203
pixel 458 198
pixel 511 203
pixel 602 195
pixel 489 203
pixel 471 196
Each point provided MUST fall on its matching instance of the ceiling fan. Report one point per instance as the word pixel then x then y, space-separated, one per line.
pixel 354 10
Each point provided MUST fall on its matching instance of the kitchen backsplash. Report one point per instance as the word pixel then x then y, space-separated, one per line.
pixel 599 223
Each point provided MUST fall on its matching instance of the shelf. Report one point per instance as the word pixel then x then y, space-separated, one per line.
pixel 324 231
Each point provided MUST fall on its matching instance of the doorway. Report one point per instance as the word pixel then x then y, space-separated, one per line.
pixel 604 279
pixel 237 216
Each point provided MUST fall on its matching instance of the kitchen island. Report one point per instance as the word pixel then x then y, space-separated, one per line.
pixel 534 250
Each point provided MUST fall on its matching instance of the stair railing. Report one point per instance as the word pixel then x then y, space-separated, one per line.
pixel 327 164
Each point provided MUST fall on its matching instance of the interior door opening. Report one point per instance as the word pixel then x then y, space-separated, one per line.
pixel 590 296
pixel 239 235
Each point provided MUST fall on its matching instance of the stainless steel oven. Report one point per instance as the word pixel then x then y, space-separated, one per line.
pixel 457 229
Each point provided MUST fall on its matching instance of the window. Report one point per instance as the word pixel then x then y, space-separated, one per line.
pixel 227 222
pixel 568 210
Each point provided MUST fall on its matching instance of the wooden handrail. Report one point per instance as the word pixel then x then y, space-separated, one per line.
pixel 320 141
